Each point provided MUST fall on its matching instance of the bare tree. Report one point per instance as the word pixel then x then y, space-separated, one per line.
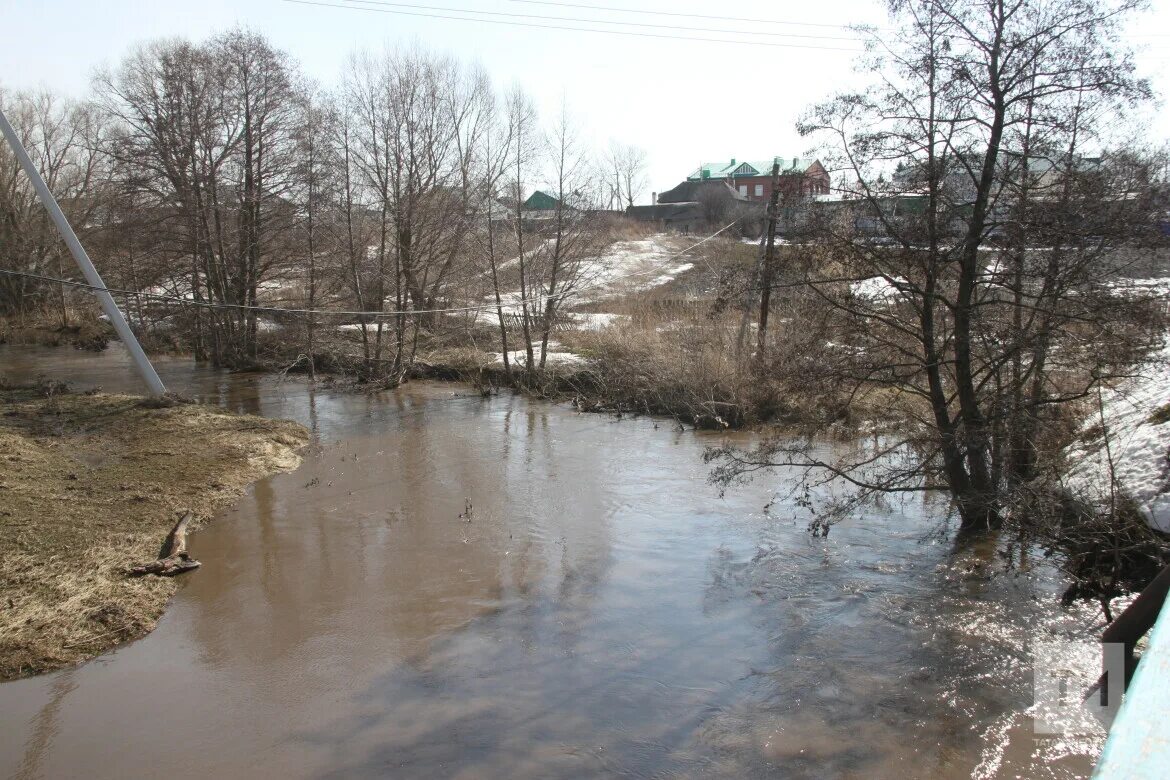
pixel 627 166
pixel 523 157
pixel 575 232
pixel 316 193
pixel 204 135
pixel 974 100
pixel 492 170
pixel 64 139
pixel 415 126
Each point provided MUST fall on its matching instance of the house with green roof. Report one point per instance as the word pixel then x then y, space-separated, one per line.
pixel 540 201
pixel 752 179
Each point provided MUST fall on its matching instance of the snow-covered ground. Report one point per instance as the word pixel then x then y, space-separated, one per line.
pixel 555 357
pixel 175 288
pixel 623 267
pixel 632 266
pixel 877 289
pixel 1143 288
pixel 371 327
pixel 1138 445
pixel 596 320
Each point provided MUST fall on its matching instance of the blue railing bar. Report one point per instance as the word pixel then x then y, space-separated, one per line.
pixel 1138 745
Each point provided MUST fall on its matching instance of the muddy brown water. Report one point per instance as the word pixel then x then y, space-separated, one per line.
pixel 603 613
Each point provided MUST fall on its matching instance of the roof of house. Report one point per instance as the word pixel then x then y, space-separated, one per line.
pixel 666 211
pixel 688 191
pixel 540 201
pixel 733 168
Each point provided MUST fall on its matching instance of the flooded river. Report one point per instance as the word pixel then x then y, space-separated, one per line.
pixel 604 612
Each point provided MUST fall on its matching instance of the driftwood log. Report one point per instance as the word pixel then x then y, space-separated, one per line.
pixel 176 560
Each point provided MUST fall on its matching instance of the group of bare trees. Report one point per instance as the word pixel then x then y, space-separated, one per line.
pixel 63 140
pixel 216 173
pixel 984 308
pixel 201 144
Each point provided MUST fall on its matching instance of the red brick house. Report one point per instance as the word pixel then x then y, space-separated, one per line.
pixel 752 179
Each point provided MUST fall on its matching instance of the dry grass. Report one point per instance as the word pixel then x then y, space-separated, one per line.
pixel 84 331
pixel 679 362
pixel 90 485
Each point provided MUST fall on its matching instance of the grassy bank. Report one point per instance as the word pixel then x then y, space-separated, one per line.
pixel 89 485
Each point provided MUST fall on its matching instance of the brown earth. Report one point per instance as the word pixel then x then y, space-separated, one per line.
pixel 91 484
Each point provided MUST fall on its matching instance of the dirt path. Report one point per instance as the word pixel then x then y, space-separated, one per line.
pixel 91 484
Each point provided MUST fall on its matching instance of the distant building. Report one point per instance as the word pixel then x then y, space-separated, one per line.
pixel 752 179
pixel 694 206
pixel 540 201
pixel 694 191
pixel 718 192
pixel 685 218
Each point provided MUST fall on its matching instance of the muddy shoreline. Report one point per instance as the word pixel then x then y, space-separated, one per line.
pixel 90 485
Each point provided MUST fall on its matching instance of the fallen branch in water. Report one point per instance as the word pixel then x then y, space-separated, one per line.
pixel 177 560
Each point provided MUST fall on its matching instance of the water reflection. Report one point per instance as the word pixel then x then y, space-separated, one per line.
pixel 45 726
pixel 603 612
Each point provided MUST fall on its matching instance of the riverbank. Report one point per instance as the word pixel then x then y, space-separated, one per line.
pixel 89 485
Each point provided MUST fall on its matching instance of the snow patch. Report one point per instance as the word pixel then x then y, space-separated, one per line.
pixel 631 266
pixel 596 320
pixel 877 289
pixel 1138 441
pixel 371 327
pixel 554 358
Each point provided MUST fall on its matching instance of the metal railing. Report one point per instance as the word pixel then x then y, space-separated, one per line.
pixel 1138 745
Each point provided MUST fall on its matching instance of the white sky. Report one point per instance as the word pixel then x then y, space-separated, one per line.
pixel 685 102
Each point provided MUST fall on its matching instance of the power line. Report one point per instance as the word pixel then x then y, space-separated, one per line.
pixel 376 315
pixel 676 13
pixel 571 29
pixel 721 18
pixel 603 21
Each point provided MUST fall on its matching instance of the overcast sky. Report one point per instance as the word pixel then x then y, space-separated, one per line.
pixel 685 102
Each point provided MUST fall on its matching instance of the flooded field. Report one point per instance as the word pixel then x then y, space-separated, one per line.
pixel 601 612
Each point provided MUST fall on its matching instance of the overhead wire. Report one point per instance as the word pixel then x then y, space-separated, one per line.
pixel 721 18
pixel 751 20
pixel 365 314
pixel 627 33
pixel 516 20
pixel 652 25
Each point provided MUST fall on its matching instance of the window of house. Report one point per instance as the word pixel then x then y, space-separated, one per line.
pixel 759 190
pixel 743 190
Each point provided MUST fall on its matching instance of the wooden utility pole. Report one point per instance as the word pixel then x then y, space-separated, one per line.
pixel 769 263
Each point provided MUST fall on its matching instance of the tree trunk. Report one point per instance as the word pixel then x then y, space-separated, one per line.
pixel 769 265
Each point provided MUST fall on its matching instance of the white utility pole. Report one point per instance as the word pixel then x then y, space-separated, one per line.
pixel 141 361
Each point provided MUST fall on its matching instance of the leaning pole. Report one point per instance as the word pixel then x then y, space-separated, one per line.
pixel 141 361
